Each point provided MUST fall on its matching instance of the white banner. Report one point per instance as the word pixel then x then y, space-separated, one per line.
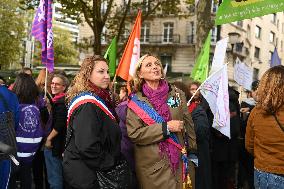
pixel 243 74
pixel 215 91
pixel 219 55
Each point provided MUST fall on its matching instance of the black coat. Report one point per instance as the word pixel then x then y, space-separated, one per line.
pixel 94 145
pixel 202 130
pixel 59 114
pixel 223 148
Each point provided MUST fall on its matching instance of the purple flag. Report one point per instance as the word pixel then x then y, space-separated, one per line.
pixel 275 60
pixel 42 31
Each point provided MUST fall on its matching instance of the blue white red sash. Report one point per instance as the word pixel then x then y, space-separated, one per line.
pixel 84 98
pixel 151 116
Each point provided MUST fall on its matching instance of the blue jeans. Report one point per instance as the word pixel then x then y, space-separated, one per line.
pixel 54 170
pixel 264 180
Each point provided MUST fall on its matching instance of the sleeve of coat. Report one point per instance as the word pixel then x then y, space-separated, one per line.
pixel 60 118
pixel 201 124
pixel 140 133
pixel 188 124
pixel 249 138
pixel 87 130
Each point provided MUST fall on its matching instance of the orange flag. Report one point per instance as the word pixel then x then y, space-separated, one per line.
pixel 131 52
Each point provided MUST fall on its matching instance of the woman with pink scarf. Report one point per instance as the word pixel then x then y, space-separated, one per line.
pixel 160 126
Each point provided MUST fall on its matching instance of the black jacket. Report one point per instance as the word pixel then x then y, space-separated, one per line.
pixel 94 144
pixel 202 130
pixel 59 114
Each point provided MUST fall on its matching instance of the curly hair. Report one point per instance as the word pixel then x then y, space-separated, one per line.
pixel 271 89
pixel 81 81
pixel 136 82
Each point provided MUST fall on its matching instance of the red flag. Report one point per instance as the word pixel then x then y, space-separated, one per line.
pixel 131 52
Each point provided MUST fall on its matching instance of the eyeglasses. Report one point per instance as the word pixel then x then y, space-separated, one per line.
pixel 56 84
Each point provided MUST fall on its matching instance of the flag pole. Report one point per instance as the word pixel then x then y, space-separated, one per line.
pixel 113 85
pixel 45 83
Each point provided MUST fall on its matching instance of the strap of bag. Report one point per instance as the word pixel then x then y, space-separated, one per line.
pixel 280 125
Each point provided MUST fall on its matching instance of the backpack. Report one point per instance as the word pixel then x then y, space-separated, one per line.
pixel 7 130
pixel 29 133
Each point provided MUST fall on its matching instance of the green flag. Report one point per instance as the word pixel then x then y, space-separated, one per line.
pixel 200 69
pixel 110 55
pixel 235 10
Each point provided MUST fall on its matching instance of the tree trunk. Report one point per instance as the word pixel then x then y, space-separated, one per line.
pixel 204 23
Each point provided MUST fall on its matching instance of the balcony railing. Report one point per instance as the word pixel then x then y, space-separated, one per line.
pixel 155 39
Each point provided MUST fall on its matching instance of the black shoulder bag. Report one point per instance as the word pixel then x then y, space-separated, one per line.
pixel 7 132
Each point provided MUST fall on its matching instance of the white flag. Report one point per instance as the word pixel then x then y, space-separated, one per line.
pixel 219 55
pixel 215 91
pixel 243 74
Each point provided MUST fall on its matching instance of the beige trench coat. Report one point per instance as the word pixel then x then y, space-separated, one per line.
pixel 154 172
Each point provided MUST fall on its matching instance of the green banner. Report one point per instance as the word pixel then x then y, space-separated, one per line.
pixel 200 69
pixel 235 10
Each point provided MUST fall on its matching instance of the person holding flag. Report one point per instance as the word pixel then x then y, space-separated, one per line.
pixel 160 126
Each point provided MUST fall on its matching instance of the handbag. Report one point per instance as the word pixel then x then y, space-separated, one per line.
pixel 7 131
pixel 118 177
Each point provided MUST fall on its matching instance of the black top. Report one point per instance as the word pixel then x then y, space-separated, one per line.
pixel 94 145
pixel 59 117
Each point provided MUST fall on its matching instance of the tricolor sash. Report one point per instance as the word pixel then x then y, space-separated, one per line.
pixel 84 98
pixel 151 116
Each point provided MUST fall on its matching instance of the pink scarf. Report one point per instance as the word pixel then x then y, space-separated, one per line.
pixel 57 97
pixel 158 99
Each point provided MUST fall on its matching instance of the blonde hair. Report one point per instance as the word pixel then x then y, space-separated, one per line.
pixel 81 81
pixel 136 82
pixel 271 89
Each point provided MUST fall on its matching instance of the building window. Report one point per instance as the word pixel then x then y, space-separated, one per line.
pixel 257 32
pixel 273 18
pixel 145 33
pixel 126 32
pixel 168 32
pixel 214 35
pixel 256 52
pixel 103 36
pixel 248 32
pixel 190 38
pixel 271 37
pixel 240 23
pixel 255 74
pixel 166 59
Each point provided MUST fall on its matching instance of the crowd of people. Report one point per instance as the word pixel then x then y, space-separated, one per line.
pixel 85 136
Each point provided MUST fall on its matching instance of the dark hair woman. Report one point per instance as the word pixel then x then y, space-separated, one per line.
pixel 29 133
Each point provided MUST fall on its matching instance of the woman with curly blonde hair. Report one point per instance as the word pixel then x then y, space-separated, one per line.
pixel 265 131
pixel 92 149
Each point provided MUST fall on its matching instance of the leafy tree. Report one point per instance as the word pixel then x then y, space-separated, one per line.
pixel 11 33
pixel 64 49
pixel 108 13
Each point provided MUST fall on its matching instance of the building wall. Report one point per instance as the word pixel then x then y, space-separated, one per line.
pixel 182 49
